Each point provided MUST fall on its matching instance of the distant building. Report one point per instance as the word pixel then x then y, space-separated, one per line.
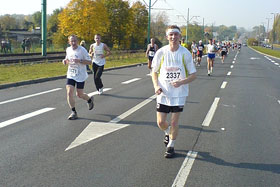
pixel 20 34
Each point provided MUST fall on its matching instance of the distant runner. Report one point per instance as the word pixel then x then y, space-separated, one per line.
pixel 200 49
pixel 150 53
pixel 98 51
pixel 194 50
pixel 224 50
pixel 211 50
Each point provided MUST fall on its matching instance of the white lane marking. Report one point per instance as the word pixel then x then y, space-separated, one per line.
pixel 233 62
pixel 130 81
pixel 272 61
pixel 279 102
pixel 93 131
pixel 223 86
pixel 23 117
pixel 97 129
pixel 28 96
pixel 185 170
pixel 211 113
pixel 231 66
pixel 96 92
pixel 229 73
pixel 277 64
pixel 254 58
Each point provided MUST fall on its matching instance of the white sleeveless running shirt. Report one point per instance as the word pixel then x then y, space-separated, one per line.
pixel 172 66
pixel 98 50
pixel 77 71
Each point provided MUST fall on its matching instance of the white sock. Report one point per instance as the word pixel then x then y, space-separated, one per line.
pixel 171 143
pixel 167 131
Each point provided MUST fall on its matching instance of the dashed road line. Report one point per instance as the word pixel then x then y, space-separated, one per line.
pixel 231 66
pixel 28 96
pixel 130 81
pixel 229 73
pixel 224 84
pixel 185 170
pixel 211 113
pixel 23 117
pixel 96 92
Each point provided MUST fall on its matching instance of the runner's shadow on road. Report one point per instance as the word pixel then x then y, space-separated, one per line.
pixel 196 128
pixel 180 153
pixel 207 157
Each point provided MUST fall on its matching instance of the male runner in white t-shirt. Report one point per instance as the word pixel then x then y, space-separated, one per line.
pixel 172 70
pixel 76 58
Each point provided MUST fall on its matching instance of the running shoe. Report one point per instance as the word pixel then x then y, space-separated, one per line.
pixel 166 140
pixel 170 152
pixel 91 104
pixel 73 116
pixel 100 91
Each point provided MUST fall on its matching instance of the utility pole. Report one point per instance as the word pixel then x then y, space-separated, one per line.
pixel 149 22
pixel 44 28
pixel 187 26
pixel 273 29
pixel 267 26
pixel 203 29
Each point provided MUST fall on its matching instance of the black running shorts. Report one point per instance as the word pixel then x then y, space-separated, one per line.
pixel 80 85
pixel 167 109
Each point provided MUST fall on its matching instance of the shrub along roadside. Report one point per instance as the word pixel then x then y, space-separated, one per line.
pixel 275 53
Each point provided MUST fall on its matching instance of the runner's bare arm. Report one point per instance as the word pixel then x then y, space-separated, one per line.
pixel 147 51
pixel 108 52
pixel 65 61
pixel 158 90
pixel 188 80
pixel 90 51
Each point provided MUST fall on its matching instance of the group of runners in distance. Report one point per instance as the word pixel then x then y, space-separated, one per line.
pixel 172 68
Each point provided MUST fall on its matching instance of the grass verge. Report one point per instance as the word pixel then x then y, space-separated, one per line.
pixel 23 72
pixel 275 53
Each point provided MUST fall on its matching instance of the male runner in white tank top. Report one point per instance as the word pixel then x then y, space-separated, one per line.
pixel 98 51
pixel 172 70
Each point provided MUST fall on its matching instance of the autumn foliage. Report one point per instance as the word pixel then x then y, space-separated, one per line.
pixel 120 25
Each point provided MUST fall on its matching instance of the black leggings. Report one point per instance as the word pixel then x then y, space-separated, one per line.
pixel 97 72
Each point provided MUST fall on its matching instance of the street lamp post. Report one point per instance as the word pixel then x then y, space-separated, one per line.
pixel 149 22
pixel 267 26
pixel 187 21
pixel 273 30
pixel 44 28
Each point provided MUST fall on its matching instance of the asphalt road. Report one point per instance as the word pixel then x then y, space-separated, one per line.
pixel 119 143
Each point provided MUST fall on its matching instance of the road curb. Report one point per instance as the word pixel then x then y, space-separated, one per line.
pixel 22 83
pixel 263 53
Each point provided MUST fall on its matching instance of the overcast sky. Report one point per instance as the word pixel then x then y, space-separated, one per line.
pixel 242 13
